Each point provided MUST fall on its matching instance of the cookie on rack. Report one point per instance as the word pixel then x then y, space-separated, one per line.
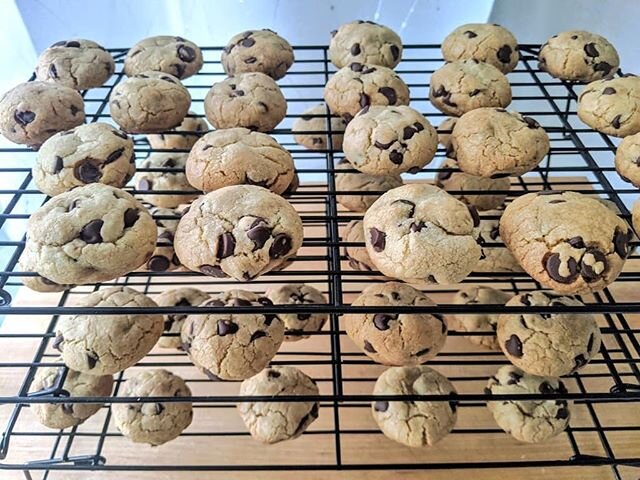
pixel 495 258
pixel 177 297
pixel 357 187
pixel 262 51
pixel 37 282
pixel 153 423
pixel 163 257
pixel 416 423
pixel 299 325
pixel 79 64
pixel 309 127
pixel 367 42
pixel 635 215
pixel 183 137
pixel 357 255
pixel 273 421
pixel 163 53
pixel 172 185
pixel 444 131
pixel 627 160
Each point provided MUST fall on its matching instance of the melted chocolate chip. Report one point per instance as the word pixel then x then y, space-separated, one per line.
pixel 475 92
pixel 226 327
pixel 73 44
pixel 92 359
pixel 383 146
pixel 256 335
pixel 576 242
pixel 259 233
pixel 504 54
pixel 621 242
pixel 248 42
pixel 531 123
pixel 422 352
pixel 158 263
pixel 369 348
pixel 87 171
pixel 113 156
pixel 395 52
pixel 355 49
pixel 470 34
pixel 90 233
pixel 250 60
pixel 186 53
pixel 396 157
pixel 24 117
pixel 513 345
pixel 474 215
pixel 213 271
pixel 562 413
pixel 609 91
pixel 381 320
pixel 59 165
pixel 615 123
pixel 226 245
pixel 131 216
pixel 381 406
pixel 389 93
pixel 603 67
pixel 591 50
pixel 586 267
pixel 365 101
pixel 546 389
pixel 281 245
pixel 551 263
pixel 514 378
pixel 74 110
pixel 378 239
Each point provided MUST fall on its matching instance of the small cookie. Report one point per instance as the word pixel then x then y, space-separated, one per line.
pixel 262 51
pixel 390 140
pixel 166 54
pixel 494 258
pixel 464 85
pixel 307 129
pixel 493 143
pixel 486 42
pixel 391 338
pixel 177 297
pixel 414 423
pixel 232 346
pixel 163 257
pixel 79 64
pixel 250 100
pixel 238 156
pixel 365 42
pixel 627 160
pixel 153 423
pixel 241 231
pixel 548 344
pixel 530 421
pixel 298 324
pixel 444 131
pixel 358 85
pixel 34 111
pixel 578 56
pixel 567 241
pixel 419 233
pixel 361 182
pixel 90 153
pixel 183 137
pixel 165 181
pixel 480 322
pixel 104 344
pixel 76 384
pixel 149 102
pixel 272 422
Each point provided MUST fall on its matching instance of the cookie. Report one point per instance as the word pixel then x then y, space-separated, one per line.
pixel 241 231
pixel 567 241
pixel 494 258
pixel 293 186
pixel 232 346
pixel 485 42
pixel 365 42
pixel 163 257
pixel 79 64
pixel 90 234
pixel 530 421
pixel 635 215
pixel 612 106
pixel 298 325
pixel 177 297
pixel 480 324
pixel 262 51
pixel 37 282
pixel 149 102
pixel 358 85
pixel 75 384
pixel 237 156
pixel 153 423
pixel 464 85
pixel 548 344
pixel 389 140
pixel 104 344
pixel 627 160
pixel 90 153
pixel 357 255
pixel 166 54
pixel 493 143
pixel 357 186
pixel 309 127
pixel 183 137
pixel 414 423
pixel 34 111
pixel 444 131
pixel 578 56
pixel 272 422
pixel 419 233
pixel 392 338
pixel 171 184
pixel 250 100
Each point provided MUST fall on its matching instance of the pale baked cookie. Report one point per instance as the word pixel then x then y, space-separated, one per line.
pixel 494 258
pixel 163 53
pixel 183 137
pixel 361 182
pixel 261 51
pixel 298 325
pixel 165 181
pixel 486 42
pixel 163 257
pixel 365 42
pixel 177 297
pixel 627 159
pixel 444 131
pixel 309 127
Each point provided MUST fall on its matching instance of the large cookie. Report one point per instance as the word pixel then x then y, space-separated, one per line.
pixel 261 51
pixel 163 53
pixel 299 325
pixel 183 137
pixel 172 186
pixel 360 190
pixel 308 129
pixel 365 42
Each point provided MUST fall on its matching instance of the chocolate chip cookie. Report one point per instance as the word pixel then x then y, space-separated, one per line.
pixel 309 127
pixel 171 184
pixel 486 42
pixel 444 131
pixel 163 257
pixel 494 258
pixel 177 297
pixel 166 54
pixel 262 51
pixel 183 137
pixel 627 159
pixel 299 325
pixel 482 326
pixel 357 182
pixel 365 42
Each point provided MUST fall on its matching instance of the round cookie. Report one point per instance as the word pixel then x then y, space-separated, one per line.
pixel 365 42
pixel 361 182
pixel 242 231
pixel 272 422
pixel 262 51
pixel 237 156
pixel 578 56
pixel 627 159
pixel 90 153
pixel 163 257
pixel 493 143
pixel 357 256
pixel 444 131
pixel 232 346
pixel 612 106
pixel 166 54
pixel 149 102
pixel 90 234
pixel 104 344
pixel 153 423
pixel 250 100
pixel 358 85
pixel 567 241
pixel 464 85
pixel 480 322
pixel 297 325
pixel 76 384
pixel 79 64
pixel 307 129
pixel 414 423
pixel 177 297
pixel 34 111
pixel 530 421
pixel 165 181
pixel 37 282
pixel 548 344
pixel 419 233
pixel 183 137
pixel 494 258
pixel 396 339
pixel 389 140
pixel 485 42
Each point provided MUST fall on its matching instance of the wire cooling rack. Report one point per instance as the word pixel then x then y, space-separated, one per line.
pixel 603 440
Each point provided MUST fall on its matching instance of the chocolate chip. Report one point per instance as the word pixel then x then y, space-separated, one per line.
pixel 61 43
pixel 226 327
pixel 417 226
pixel 57 343
pixel 494 233
pixel 113 156
pixel 186 53
pixel 237 93
pixel 378 239
pixel 307 419
pixel 131 216
pixel 383 146
pixel 621 242
pixel 576 242
pixel 531 123
pixel 590 343
pixel 553 202
pixel 470 34
pixel 281 245
pixel 365 101
pixel 396 157
pixel 381 406
pixel 562 413
pixel 504 54
pixel 369 348
pixel 390 94
pixel 213 271
pixel 74 110
pixel 422 352
pixel 226 245
pixel 73 44
pixel 355 49
pixel 580 361
pixel 356 67
pixel 546 389
pixel 395 52
pixel 158 263
pixel 587 268
pixel 90 233
pixel 609 91
pixel 381 320
pixel 248 42
pixel 591 50
pixel 551 263
pixel 615 123
pixel 259 233
pixel 264 106
pixel 603 67
pixel 513 345
pixel 92 359
pixel 24 117
pixel 52 72
pixel 474 215
pixel 250 60
pixel 273 373
pixel 514 378
pixel 87 171
pixel 158 408
pixel 475 92
pixel 444 175
pixel 256 335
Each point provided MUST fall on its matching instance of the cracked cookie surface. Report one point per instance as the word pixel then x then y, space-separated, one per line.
pixel 183 137
pixel 165 181
pixel 262 51
pixel 480 322
pixel 174 55
pixel 354 182
pixel 297 325
pixel 177 297
pixel 365 42
pixel 314 120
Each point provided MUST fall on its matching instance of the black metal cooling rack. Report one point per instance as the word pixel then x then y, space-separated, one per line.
pixel 604 437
